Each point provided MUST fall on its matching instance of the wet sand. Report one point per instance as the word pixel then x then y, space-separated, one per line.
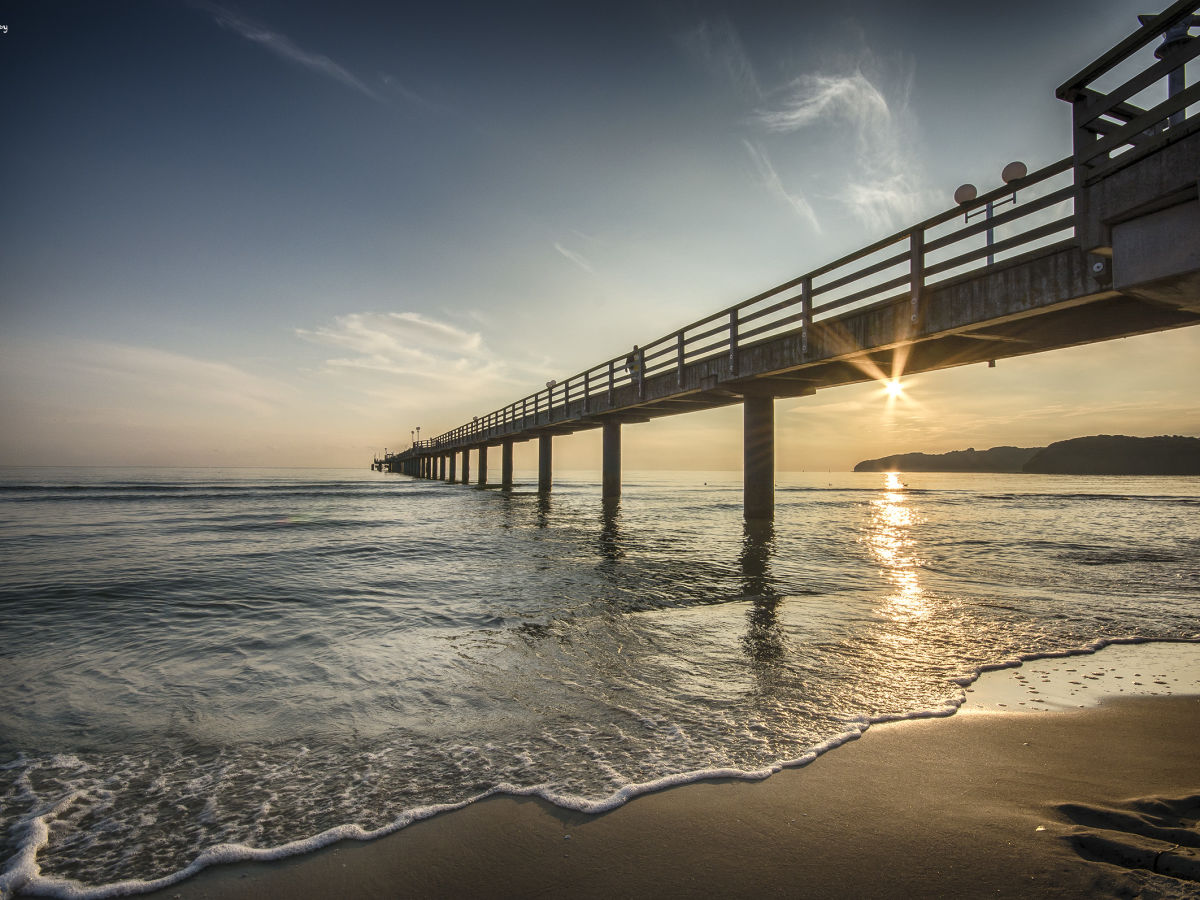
pixel 988 804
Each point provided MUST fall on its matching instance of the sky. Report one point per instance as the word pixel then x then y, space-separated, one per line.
pixel 287 233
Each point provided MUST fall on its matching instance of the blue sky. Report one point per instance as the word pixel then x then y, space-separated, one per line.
pixel 287 233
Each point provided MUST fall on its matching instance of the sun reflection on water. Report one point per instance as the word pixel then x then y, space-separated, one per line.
pixel 890 540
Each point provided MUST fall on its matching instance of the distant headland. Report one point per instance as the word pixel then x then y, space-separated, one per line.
pixel 1101 454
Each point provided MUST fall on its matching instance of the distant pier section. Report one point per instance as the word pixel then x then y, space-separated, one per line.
pixel 1102 244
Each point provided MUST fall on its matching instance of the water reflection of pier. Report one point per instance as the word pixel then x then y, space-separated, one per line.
pixel 764 641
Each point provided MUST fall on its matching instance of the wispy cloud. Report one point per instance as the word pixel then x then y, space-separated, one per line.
pixel 576 258
pixel 285 48
pixel 412 345
pixel 394 85
pixel 145 380
pixel 811 97
pixel 771 180
pixel 184 380
pixel 885 188
pixel 715 42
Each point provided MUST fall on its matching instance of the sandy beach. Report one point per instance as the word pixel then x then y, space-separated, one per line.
pixel 984 804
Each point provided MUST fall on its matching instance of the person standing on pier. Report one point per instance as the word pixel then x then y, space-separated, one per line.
pixel 633 363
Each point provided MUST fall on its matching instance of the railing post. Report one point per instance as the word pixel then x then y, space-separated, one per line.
pixel 733 343
pixel 1088 237
pixel 805 314
pixel 567 399
pixel 587 390
pixel 641 361
pixel 679 355
pixel 612 377
pixel 916 270
pixel 524 412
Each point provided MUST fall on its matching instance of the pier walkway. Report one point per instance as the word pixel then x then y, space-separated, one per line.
pixel 1102 244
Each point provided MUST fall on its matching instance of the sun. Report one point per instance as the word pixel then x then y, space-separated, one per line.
pixel 893 388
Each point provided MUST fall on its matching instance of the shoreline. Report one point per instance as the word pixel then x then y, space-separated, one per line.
pixel 986 804
pixel 1093 692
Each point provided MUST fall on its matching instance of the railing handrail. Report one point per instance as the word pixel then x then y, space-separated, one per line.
pixel 669 351
pixel 1070 89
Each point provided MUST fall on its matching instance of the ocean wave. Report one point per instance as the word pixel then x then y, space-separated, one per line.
pixel 22 872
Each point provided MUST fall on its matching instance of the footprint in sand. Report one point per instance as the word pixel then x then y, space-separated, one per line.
pixel 1155 834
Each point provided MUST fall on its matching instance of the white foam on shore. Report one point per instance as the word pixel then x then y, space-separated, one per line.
pixel 1048 681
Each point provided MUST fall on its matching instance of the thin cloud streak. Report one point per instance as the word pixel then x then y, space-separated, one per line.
pixel 577 258
pixel 771 180
pixel 122 376
pixel 283 47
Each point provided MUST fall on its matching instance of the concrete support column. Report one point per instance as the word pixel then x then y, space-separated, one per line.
pixel 483 465
pixel 612 460
pixel 441 467
pixel 506 479
pixel 466 472
pixel 545 463
pixel 453 465
pixel 759 458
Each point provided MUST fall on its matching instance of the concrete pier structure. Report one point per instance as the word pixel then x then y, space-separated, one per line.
pixel 466 472
pixel 506 465
pixel 453 461
pixel 611 464
pixel 545 463
pixel 1099 245
pixel 758 465
pixel 482 465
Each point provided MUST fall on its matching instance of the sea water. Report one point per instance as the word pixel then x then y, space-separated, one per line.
pixel 204 665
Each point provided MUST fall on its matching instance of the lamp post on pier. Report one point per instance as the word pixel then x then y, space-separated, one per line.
pixel 1174 37
pixel 966 193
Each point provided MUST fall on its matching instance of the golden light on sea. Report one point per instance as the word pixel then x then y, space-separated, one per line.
pixel 890 540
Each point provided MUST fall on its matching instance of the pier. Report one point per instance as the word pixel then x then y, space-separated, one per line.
pixel 1102 244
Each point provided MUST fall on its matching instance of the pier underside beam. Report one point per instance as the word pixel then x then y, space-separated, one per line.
pixel 759 458
pixel 545 463
pixel 612 460
pixel 506 465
